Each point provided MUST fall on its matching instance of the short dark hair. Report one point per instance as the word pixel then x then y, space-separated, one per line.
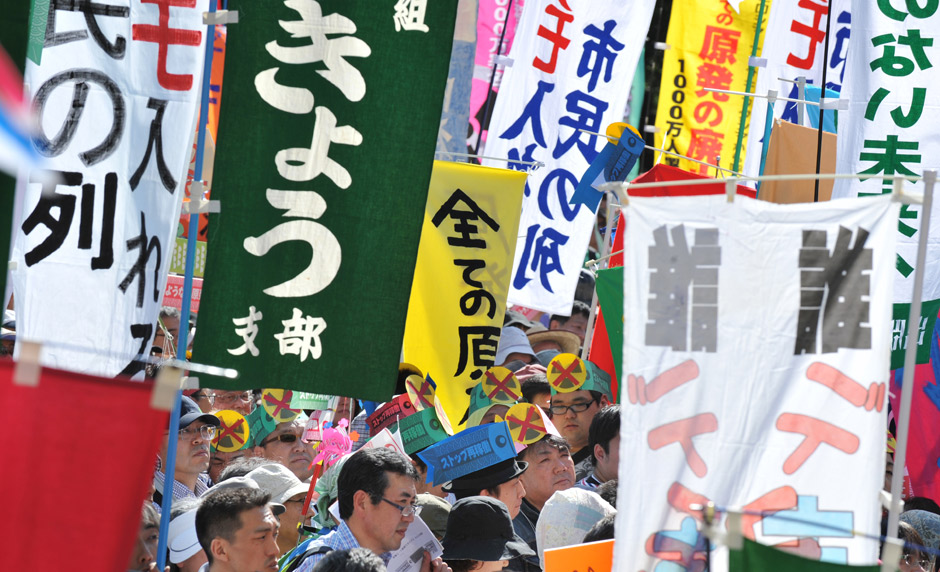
pixel 242 466
pixel 579 307
pixel 354 560
pixel 463 565
pixel 365 470
pixel 603 530
pixel 604 427
pixel 464 493
pixel 608 492
pixel 549 440
pixel 921 503
pixel 219 514
pixel 535 385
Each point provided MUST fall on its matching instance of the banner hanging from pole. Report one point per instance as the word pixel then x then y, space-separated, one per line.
pixel 793 46
pixel 755 368
pixel 117 103
pixel 461 280
pixel 573 65
pixel 322 211
pixel 709 47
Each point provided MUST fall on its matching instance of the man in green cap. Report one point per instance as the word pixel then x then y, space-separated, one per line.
pixel 573 411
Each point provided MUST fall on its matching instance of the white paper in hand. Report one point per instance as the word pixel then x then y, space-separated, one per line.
pixel 417 539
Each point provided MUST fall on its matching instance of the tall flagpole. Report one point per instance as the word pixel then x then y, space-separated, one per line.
pixel 169 471
pixel 822 97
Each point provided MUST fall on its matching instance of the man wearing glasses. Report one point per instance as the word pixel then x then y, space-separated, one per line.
pixel 573 411
pixel 284 445
pixel 196 431
pixel 241 401
pixel 376 504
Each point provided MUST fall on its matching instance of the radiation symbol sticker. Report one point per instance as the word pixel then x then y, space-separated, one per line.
pixel 233 431
pixel 525 423
pixel 501 386
pixel 420 391
pixel 566 373
pixel 277 403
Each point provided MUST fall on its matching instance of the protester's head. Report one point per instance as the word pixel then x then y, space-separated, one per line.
pixel 186 555
pixel 145 549
pixel 196 431
pixel 242 401
pixel 500 481
pixel 603 530
pixel 550 469
pixel 558 340
pixel 480 536
pixel 912 559
pixel 608 492
pixel 513 346
pixel 377 497
pixel 167 330
pixel 573 411
pixel 576 323
pixel 422 485
pixel 220 460
pixel 927 525
pixel 286 489
pixel 566 517
pixel 604 443
pixel 922 503
pixel 535 390
pixel 201 397
pixel 284 445
pixel 237 530
pixel 434 511
pixel 353 560
pixel 242 466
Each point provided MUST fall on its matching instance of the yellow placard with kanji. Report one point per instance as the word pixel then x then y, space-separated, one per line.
pixel 461 279
pixel 710 45
pixel 233 433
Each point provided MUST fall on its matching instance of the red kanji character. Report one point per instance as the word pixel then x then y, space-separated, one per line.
pixel 559 42
pixel 720 45
pixel 704 110
pixel 847 387
pixel 705 146
pixel 643 393
pixel 682 432
pixel 817 431
pixel 814 33
pixel 165 36
pixel 781 498
pixel 713 76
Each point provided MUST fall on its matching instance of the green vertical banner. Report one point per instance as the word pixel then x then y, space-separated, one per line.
pixel 325 150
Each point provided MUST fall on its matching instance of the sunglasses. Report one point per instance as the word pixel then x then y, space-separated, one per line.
pixel 283 438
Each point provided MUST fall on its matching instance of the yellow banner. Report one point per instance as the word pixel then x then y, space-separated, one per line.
pixel 710 45
pixel 461 281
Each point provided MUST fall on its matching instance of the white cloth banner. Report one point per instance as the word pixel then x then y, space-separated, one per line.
pixel 890 127
pixel 573 68
pixel 755 373
pixel 118 93
pixel 793 46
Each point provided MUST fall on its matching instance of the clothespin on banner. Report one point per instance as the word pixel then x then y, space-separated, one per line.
pixel 731 189
pixel 220 17
pixel 166 385
pixel 28 367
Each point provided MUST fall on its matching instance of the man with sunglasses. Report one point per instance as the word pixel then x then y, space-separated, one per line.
pixel 377 499
pixel 196 431
pixel 573 410
pixel 284 445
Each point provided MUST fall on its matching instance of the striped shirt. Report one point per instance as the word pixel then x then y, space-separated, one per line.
pixel 340 539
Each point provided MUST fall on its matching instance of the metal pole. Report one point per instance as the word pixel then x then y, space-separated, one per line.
pixel 822 97
pixel 750 82
pixel 903 416
pixel 169 471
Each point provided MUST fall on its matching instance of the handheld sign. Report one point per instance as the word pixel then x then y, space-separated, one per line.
pixel 234 433
pixel 400 406
pixel 470 450
pixel 595 556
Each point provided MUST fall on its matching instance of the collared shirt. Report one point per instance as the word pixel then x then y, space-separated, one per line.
pixel 340 539
pixel 181 491
pixel 589 482
pixel 360 426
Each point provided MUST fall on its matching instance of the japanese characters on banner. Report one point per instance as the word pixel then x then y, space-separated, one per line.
pixel 328 195
pixel 889 129
pixel 117 95
pixel 710 45
pixel 756 367
pixel 793 46
pixel 462 276
pixel 496 19
pixel 572 70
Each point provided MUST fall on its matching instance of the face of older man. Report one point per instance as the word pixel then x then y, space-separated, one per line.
pixel 192 448
pixel 285 446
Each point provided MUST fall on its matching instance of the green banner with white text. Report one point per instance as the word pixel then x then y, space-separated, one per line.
pixel 326 143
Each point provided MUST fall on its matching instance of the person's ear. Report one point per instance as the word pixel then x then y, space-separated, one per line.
pixel 599 452
pixel 361 501
pixel 604 401
pixel 219 548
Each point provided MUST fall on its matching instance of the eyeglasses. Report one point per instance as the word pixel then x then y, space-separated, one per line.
pixel 912 559
pixel 406 510
pixel 283 438
pixel 206 432
pixel 574 407
pixel 230 398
